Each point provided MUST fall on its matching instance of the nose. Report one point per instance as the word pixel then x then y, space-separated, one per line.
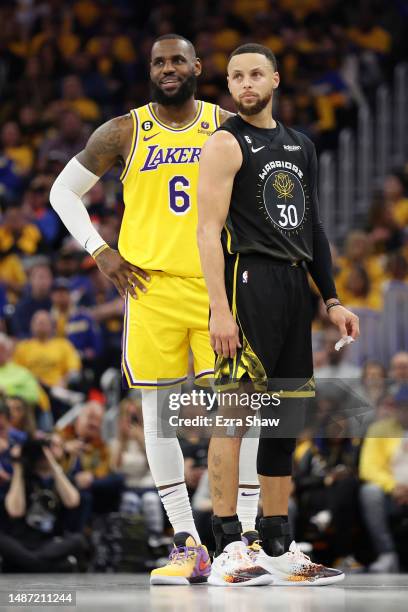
pixel 168 67
pixel 246 83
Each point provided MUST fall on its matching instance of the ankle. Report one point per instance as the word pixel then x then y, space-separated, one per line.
pixel 226 529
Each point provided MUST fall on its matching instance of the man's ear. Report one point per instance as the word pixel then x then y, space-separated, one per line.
pixel 198 67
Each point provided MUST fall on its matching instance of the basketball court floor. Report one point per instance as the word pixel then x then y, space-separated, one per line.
pixel 131 592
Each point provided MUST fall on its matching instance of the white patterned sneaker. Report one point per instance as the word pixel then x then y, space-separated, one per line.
pixel 234 567
pixel 294 568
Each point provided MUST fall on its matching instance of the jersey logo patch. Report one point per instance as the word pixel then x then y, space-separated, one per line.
pixel 150 137
pixel 292 147
pixel 245 277
pixel 247 138
pixel 147 125
pixel 257 149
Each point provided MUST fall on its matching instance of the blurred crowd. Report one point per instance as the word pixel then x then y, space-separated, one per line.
pixel 75 488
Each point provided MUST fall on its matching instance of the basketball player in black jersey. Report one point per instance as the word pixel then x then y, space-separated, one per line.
pixel 259 232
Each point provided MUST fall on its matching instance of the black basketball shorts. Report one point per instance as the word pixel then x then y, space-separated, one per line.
pixel 271 303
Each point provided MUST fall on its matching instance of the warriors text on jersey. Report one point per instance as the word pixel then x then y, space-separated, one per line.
pixel 160 178
pixel 274 198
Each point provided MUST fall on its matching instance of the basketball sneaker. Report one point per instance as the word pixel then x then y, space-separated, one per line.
pixel 189 563
pixel 234 567
pixel 294 568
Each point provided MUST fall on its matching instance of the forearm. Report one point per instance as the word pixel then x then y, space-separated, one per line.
pixel 68 493
pixel 213 265
pixel 15 501
pixel 65 197
pixel 321 268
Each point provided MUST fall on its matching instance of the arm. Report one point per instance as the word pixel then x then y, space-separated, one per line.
pixel 321 266
pixel 106 146
pixel 15 501
pixel 68 493
pixel 220 160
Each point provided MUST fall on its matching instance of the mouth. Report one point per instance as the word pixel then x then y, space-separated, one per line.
pixel 170 83
pixel 249 97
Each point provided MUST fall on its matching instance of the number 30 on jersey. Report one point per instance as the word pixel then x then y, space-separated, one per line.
pixel 179 198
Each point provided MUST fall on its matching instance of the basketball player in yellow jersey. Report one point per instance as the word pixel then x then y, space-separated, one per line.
pixel 157 271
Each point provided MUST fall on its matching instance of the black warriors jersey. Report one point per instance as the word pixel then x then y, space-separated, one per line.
pixel 274 196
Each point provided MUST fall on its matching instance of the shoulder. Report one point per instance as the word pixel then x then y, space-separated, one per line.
pixel 225 115
pixel 222 143
pixel 382 428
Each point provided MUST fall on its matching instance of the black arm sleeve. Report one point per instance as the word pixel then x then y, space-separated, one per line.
pixel 321 266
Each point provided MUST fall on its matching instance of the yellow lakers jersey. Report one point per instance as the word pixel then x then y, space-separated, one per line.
pixel 160 180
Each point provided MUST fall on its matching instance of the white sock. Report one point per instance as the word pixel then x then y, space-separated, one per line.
pixel 166 463
pixel 248 497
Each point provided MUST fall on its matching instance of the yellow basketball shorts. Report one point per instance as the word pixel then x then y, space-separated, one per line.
pixel 159 329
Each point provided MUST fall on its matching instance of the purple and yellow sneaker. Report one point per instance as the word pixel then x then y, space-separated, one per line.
pixel 189 563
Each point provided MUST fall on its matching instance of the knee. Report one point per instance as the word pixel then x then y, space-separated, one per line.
pixel 275 456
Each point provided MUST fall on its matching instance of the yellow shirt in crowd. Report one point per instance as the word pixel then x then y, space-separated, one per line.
pixel 49 361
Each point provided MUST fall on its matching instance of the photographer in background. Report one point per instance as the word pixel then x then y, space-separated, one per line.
pixel 38 506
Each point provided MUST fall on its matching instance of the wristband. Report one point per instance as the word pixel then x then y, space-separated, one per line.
pixel 338 303
pixel 100 250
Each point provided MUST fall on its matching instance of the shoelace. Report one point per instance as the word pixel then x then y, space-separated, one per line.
pixel 301 557
pixel 180 554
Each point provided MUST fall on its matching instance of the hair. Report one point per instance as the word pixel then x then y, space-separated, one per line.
pixel 177 37
pixel 255 48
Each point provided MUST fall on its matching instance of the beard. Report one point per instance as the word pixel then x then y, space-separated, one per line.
pixel 184 92
pixel 254 109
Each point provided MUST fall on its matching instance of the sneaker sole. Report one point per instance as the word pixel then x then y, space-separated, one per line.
pixel 177 580
pixel 318 582
pixel 258 581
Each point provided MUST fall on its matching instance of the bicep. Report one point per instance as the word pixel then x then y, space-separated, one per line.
pixel 220 160
pixel 105 146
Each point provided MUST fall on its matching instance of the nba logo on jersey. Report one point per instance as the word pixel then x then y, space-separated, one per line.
pixel 245 277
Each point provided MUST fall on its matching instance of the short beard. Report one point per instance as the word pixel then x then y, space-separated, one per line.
pixel 185 91
pixel 255 109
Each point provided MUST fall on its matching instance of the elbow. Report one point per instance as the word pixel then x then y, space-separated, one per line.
pixel 14 511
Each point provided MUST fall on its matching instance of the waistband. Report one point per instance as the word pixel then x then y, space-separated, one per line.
pixel 267 259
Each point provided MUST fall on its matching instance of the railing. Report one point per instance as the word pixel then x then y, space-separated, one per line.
pixel 348 177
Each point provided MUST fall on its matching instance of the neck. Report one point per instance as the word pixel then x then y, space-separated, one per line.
pixel 262 120
pixel 177 115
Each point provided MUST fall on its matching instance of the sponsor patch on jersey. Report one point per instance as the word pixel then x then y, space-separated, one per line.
pixel 292 147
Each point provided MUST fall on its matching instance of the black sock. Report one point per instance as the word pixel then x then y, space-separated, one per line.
pixel 275 534
pixel 226 529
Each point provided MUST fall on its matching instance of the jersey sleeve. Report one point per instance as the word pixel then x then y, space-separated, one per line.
pixel 321 266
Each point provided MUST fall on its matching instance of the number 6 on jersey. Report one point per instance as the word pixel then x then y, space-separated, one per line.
pixel 179 199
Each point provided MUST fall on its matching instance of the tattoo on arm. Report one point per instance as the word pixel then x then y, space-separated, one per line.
pixel 216 460
pixel 224 115
pixel 106 145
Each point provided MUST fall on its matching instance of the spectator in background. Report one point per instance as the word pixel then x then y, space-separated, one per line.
pixel 9 436
pixel 397 272
pixel 358 292
pixel 384 468
pixel 21 155
pixel 384 232
pixel 37 297
pixel 395 195
pixel 398 371
pixel 357 252
pixel 373 382
pixel 21 415
pixel 38 210
pixel 75 324
pixel 326 486
pixel 17 235
pixel 15 379
pixel 70 138
pixel 128 457
pixel 88 461
pixel 73 99
pixel 38 504
pixel 53 361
